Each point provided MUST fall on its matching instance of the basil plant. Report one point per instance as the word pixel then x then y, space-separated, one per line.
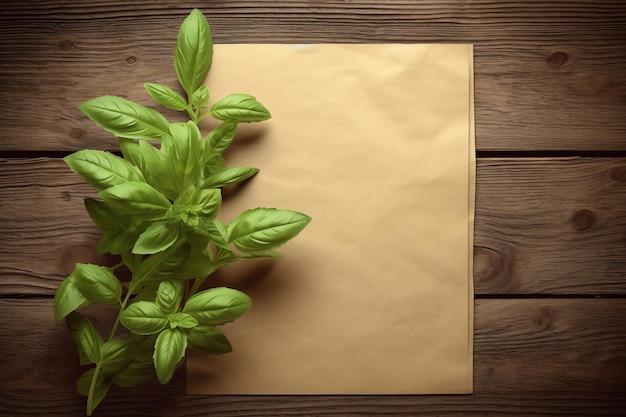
pixel 157 207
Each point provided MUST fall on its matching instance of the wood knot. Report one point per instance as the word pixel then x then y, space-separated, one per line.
pixel 66 45
pixel 492 270
pixel 132 59
pixel 619 174
pixel 66 195
pixel 545 318
pixel 584 219
pixel 557 59
pixel 77 133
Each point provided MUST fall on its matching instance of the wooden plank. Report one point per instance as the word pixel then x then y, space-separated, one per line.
pixel 550 226
pixel 548 76
pixel 554 226
pixel 532 357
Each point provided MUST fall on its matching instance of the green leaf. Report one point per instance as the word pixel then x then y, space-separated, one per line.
pixel 241 108
pixel 197 265
pixel 104 216
pixel 68 298
pixel 209 339
pixel 169 295
pixel 219 234
pixel 229 176
pixel 115 354
pixel 102 169
pixel 194 206
pixel 84 382
pixel 263 229
pixel 165 96
pixel 116 242
pixel 214 165
pixel 88 340
pixel 125 118
pixel 156 238
pixel 183 320
pixel 102 383
pixel 120 230
pixel 219 139
pixel 161 266
pixel 217 306
pixel 194 52
pixel 97 283
pixel 208 203
pixel 131 151
pixel 146 294
pixel 184 155
pixel 137 199
pixel 200 97
pixel 153 164
pixel 169 349
pixel 131 260
pixel 143 317
pixel 134 373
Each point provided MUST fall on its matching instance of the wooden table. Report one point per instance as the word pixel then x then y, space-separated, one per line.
pixel 550 245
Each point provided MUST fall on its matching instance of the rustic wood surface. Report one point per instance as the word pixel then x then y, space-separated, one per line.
pixel 550 244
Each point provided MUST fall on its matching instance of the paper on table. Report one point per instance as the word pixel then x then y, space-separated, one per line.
pixel 376 143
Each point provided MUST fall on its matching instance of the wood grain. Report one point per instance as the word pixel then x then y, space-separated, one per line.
pixel 550 232
pixel 548 76
pixel 513 338
pixel 549 226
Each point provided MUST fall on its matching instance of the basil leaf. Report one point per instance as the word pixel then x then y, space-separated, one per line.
pixel 87 338
pixel 161 266
pixel 241 108
pixel 169 295
pixel 102 169
pixel 209 339
pixel 115 354
pixel 137 199
pixel 131 260
pixel 102 384
pixel 229 176
pixel 165 96
pixel 217 306
pixel 131 151
pixel 169 349
pixel 120 231
pixel 84 382
pixel 200 97
pixel 184 153
pixel 97 283
pixel 208 203
pixel 143 317
pixel 214 165
pixel 154 165
pixel 68 298
pixel 219 139
pixel 263 229
pixel 134 373
pixel 194 52
pixel 125 118
pixel 146 294
pixel 104 216
pixel 116 242
pixel 197 265
pixel 219 234
pixel 156 238
pixel 182 320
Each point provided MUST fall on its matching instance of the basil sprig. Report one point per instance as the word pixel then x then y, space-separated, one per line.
pixel 157 208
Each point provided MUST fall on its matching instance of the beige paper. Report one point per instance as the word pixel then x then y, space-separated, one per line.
pixel 376 143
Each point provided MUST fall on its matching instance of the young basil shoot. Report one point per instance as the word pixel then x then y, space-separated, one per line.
pixel 157 208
